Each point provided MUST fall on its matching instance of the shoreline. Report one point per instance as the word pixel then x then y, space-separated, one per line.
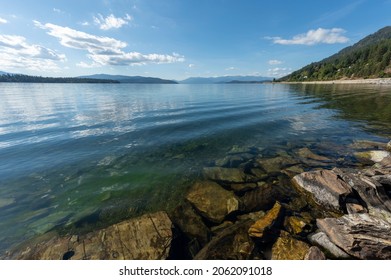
pixel 377 81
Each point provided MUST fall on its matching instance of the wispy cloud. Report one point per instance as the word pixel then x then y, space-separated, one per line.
pixel 104 50
pixel 58 11
pixel 230 68
pixel 279 72
pixel 17 53
pixel 191 65
pixel 313 37
pixel 274 62
pixel 110 22
pixel 3 20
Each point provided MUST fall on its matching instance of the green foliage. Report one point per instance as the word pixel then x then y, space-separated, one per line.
pixel 18 78
pixel 369 58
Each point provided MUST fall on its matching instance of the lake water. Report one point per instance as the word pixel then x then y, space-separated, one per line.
pixel 78 157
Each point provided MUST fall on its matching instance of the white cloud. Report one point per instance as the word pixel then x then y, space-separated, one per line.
pixel 17 53
pixel 313 37
pixel 230 68
pixel 274 62
pixel 279 71
pixel 2 20
pixel 57 11
pixel 109 22
pixel 191 65
pixel 85 23
pixel 104 50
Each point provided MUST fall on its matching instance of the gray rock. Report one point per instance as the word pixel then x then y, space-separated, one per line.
pixel 227 175
pixel 360 235
pixel 212 201
pixel 144 238
pixel 307 153
pixel 321 239
pixel 325 186
pixel 6 202
pixel 314 253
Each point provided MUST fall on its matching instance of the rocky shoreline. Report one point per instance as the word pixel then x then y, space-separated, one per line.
pixel 253 207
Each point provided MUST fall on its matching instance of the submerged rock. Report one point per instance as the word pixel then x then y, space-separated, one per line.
pixel 227 175
pixel 307 153
pixel 288 248
pixel 266 223
pixel 388 146
pixel 325 186
pixel 144 238
pixel 360 235
pixel 260 198
pixel 212 201
pixel 231 243
pixel 276 164
pixel 6 202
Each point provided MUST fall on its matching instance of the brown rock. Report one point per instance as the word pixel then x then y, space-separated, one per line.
pixel 360 235
pixel 261 198
pixel 388 146
pixel 212 201
pixel 314 253
pixel 296 225
pixel 144 238
pixel 288 248
pixel 325 186
pixel 264 224
pixel 354 208
pixel 243 187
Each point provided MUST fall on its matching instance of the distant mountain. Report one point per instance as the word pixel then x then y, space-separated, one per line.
pixel 369 58
pixel 130 79
pixel 5 73
pixel 19 78
pixel 225 79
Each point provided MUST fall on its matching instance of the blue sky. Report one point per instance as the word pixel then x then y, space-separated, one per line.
pixel 176 39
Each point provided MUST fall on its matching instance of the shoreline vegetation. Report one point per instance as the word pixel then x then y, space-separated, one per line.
pixel 251 207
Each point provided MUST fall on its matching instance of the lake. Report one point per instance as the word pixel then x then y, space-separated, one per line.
pixel 82 156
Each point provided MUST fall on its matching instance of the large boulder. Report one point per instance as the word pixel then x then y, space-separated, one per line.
pixel 360 235
pixel 326 187
pixel 144 238
pixel 212 201
pixel 288 248
pixel 267 222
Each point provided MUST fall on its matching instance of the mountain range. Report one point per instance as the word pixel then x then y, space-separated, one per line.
pixel 368 58
pixel 225 79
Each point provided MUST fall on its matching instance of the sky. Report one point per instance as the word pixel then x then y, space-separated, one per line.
pixel 177 39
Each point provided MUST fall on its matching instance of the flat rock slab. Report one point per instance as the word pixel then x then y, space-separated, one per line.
pixel 325 186
pixel 144 238
pixel 212 201
pixel 288 248
pixel 360 235
pixel 322 240
pixel 314 253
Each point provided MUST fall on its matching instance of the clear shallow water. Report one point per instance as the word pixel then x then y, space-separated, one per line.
pixel 75 156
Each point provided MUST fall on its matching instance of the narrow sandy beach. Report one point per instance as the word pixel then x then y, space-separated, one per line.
pixel 378 81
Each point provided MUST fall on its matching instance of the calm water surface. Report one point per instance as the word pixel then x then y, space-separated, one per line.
pixel 79 156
